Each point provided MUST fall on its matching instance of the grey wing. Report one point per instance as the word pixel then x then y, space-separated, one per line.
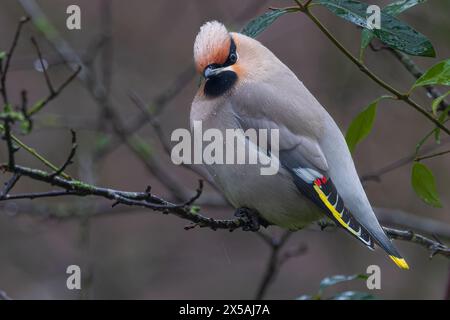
pixel 303 158
pixel 302 150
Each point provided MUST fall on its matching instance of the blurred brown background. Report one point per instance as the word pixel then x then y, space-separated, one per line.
pixel 138 254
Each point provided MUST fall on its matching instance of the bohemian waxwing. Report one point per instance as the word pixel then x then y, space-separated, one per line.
pixel 247 86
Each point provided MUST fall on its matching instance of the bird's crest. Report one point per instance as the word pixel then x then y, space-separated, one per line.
pixel 212 45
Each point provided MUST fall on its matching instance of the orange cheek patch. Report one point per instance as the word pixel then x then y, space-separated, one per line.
pixel 217 54
pixel 239 70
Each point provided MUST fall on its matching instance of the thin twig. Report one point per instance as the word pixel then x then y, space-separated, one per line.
pixel 199 192
pixel 36 108
pixel 24 109
pixel 4 69
pixel 36 195
pixel 9 185
pixel 377 174
pixel 69 159
pixel 43 66
pixel 432 155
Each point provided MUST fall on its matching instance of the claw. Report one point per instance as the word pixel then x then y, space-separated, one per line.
pixel 251 218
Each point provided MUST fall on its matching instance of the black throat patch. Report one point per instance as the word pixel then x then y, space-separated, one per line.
pixel 220 83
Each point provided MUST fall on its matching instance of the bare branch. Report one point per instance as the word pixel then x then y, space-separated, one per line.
pixel 141 199
pixel 435 247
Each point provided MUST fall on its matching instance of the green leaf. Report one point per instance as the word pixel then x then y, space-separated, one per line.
pixel 393 32
pixel 397 7
pixel 437 102
pixel 437 74
pixel 366 38
pixel 259 24
pixel 2 55
pixel 361 125
pixel 353 295
pixel 393 9
pixel 331 281
pixel 424 184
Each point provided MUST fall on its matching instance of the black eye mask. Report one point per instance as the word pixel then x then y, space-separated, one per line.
pixel 232 58
pixel 223 81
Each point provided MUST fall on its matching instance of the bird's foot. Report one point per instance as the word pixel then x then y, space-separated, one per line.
pixel 253 221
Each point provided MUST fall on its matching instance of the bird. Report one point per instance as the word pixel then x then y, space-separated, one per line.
pixel 245 86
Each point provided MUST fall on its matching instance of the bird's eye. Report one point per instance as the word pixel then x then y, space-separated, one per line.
pixel 233 57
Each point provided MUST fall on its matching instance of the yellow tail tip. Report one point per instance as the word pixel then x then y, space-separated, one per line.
pixel 400 262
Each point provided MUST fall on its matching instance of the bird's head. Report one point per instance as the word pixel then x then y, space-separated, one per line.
pixel 216 58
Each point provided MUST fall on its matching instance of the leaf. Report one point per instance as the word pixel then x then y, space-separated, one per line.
pixel 437 102
pixel 397 7
pixel 361 125
pixel 331 281
pixel 366 38
pixel 437 74
pixel 259 24
pixel 393 32
pixel 353 295
pixel 393 9
pixel 2 55
pixel 424 184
